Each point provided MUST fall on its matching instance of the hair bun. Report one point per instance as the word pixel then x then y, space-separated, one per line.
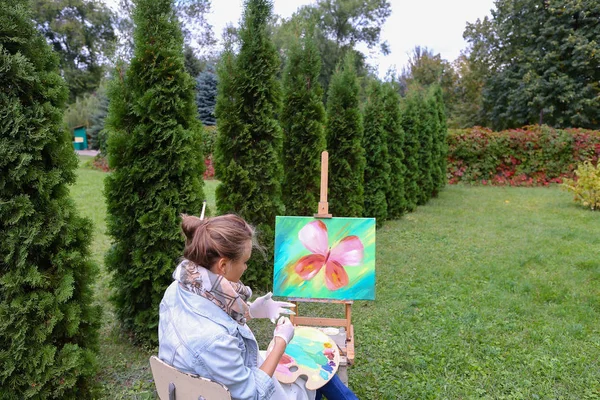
pixel 189 225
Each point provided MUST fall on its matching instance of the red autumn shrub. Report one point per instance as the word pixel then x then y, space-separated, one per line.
pixel 209 170
pixel 529 156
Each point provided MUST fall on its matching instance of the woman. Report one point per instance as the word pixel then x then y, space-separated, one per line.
pixel 203 316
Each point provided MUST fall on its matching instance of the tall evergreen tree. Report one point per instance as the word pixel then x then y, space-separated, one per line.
pixel 377 170
pixel 302 119
pixel 96 130
pixel 206 97
pixel 193 65
pixel 411 124
pixel 155 151
pixel 428 123
pixel 396 201
pixel 440 145
pixel 344 142
pixel 249 142
pixel 48 325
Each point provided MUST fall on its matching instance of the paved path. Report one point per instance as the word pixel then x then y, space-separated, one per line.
pixel 92 153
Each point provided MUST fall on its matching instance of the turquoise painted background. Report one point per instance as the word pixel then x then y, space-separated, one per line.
pixel 289 249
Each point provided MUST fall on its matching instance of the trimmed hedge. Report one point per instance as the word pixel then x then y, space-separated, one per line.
pixel 529 156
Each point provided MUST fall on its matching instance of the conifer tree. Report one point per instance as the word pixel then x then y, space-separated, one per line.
pixel 431 110
pixel 428 122
pixel 411 125
pixel 441 156
pixel 249 142
pixel 206 97
pixel 377 170
pixel 396 201
pixel 96 131
pixel 48 323
pixel 344 133
pixel 155 151
pixel 302 119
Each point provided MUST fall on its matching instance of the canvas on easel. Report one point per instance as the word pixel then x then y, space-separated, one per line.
pixel 322 259
pixel 331 258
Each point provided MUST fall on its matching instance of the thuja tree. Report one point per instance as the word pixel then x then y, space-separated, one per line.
pixel 302 119
pixel 249 142
pixel 395 197
pixel 344 134
pixel 96 131
pixel 155 151
pixel 428 122
pixel 440 145
pixel 377 170
pixel 411 125
pixel 48 325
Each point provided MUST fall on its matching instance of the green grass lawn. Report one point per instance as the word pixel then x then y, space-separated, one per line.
pixel 485 292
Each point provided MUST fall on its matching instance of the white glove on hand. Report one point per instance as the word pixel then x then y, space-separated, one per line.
pixel 284 329
pixel 265 307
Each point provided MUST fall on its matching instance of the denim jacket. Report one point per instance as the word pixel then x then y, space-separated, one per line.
pixel 198 337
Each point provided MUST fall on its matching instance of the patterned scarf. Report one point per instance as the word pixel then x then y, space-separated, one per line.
pixel 231 297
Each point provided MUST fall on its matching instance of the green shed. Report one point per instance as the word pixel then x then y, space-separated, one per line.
pixel 80 138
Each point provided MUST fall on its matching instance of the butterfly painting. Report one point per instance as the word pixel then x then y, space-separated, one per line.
pixel 330 258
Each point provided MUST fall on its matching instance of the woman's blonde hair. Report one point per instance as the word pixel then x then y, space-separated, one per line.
pixel 209 239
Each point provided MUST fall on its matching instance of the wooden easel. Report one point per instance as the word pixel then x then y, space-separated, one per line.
pixel 346 346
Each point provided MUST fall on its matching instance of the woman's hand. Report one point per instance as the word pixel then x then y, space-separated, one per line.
pixel 266 307
pixel 284 332
pixel 284 329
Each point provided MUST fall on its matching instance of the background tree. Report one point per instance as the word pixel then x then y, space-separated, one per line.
pixel 81 111
pixel 426 69
pixel 303 121
pixel 344 133
pixel 396 201
pixel 339 26
pixel 197 32
pixel 546 67
pixel 473 67
pixel 193 65
pixel 206 97
pixel 467 108
pixel 377 169
pixel 48 325
pixel 155 151
pixel 82 33
pixel 249 142
pixel 96 131
pixel 411 125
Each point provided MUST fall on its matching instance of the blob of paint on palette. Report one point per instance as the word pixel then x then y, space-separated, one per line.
pixel 312 354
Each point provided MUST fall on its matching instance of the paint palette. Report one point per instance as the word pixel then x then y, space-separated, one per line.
pixel 310 353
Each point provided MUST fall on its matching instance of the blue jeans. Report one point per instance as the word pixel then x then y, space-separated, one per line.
pixel 335 390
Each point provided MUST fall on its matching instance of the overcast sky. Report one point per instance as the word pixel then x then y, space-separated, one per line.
pixel 436 24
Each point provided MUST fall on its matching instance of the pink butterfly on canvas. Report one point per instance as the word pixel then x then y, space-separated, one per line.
pixel 347 252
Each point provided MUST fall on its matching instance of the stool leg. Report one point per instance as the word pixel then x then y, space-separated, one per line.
pixel 172 391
